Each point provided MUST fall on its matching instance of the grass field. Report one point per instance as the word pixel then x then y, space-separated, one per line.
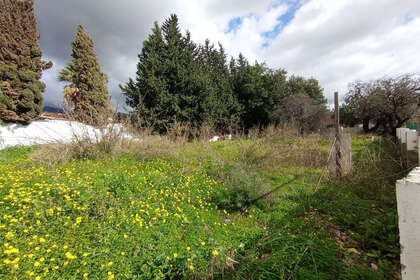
pixel 193 215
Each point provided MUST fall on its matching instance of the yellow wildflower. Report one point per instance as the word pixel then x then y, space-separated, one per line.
pixel 70 256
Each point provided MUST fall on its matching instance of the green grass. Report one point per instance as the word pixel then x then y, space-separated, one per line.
pixel 188 218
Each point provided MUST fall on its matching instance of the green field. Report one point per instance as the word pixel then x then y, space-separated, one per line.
pixel 193 215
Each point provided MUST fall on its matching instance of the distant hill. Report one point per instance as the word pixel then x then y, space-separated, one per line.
pixel 52 109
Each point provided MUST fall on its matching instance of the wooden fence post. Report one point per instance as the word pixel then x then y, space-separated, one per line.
pixel 341 163
pixel 339 172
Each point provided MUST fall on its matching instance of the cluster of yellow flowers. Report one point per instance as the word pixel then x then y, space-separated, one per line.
pixel 82 219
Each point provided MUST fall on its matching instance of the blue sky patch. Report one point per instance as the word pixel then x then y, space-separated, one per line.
pixel 283 21
pixel 408 17
pixel 234 24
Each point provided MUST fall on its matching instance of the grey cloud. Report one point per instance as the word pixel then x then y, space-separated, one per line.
pixel 118 29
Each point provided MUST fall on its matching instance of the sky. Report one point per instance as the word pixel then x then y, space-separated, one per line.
pixel 336 42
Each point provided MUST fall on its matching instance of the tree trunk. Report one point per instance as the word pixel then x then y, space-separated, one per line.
pixel 366 125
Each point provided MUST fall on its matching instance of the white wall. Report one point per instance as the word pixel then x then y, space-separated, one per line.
pixel 408 201
pixel 49 131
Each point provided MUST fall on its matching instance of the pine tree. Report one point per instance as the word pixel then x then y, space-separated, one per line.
pixel 184 82
pixel 148 94
pixel 20 62
pixel 220 107
pixel 89 97
pixel 168 85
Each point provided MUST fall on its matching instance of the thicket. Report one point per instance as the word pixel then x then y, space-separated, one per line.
pixel 20 62
pixel 180 81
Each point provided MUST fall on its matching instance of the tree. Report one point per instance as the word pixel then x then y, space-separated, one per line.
pixel 148 95
pixel 177 80
pixel 348 116
pixel 310 87
pixel 86 92
pixel 220 107
pixel 387 102
pixel 184 81
pixel 258 90
pixel 164 90
pixel 302 111
pixel 70 91
pixel 20 62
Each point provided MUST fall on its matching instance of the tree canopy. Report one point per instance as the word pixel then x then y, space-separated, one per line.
pixel 388 102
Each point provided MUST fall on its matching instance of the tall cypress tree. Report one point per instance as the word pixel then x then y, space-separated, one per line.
pixel 89 98
pixel 20 62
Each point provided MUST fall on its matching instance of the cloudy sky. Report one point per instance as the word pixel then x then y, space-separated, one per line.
pixel 336 42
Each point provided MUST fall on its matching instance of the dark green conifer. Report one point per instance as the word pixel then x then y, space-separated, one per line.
pixel 148 94
pixel 168 86
pixel 20 62
pixel 220 106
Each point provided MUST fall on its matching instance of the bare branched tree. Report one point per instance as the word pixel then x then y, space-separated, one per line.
pixel 387 102
pixel 301 110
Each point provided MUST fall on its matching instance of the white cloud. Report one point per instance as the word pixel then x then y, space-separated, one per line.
pixel 341 41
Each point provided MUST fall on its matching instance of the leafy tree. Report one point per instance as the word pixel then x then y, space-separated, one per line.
pixel 310 87
pixel 387 102
pixel 20 63
pixel 348 116
pixel 178 80
pixel 258 89
pixel 86 92
pixel 67 74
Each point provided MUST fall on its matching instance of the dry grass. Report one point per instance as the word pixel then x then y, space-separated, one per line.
pixel 259 149
pixel 283 149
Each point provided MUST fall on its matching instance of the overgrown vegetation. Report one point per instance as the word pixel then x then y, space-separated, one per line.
pixel 167 208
